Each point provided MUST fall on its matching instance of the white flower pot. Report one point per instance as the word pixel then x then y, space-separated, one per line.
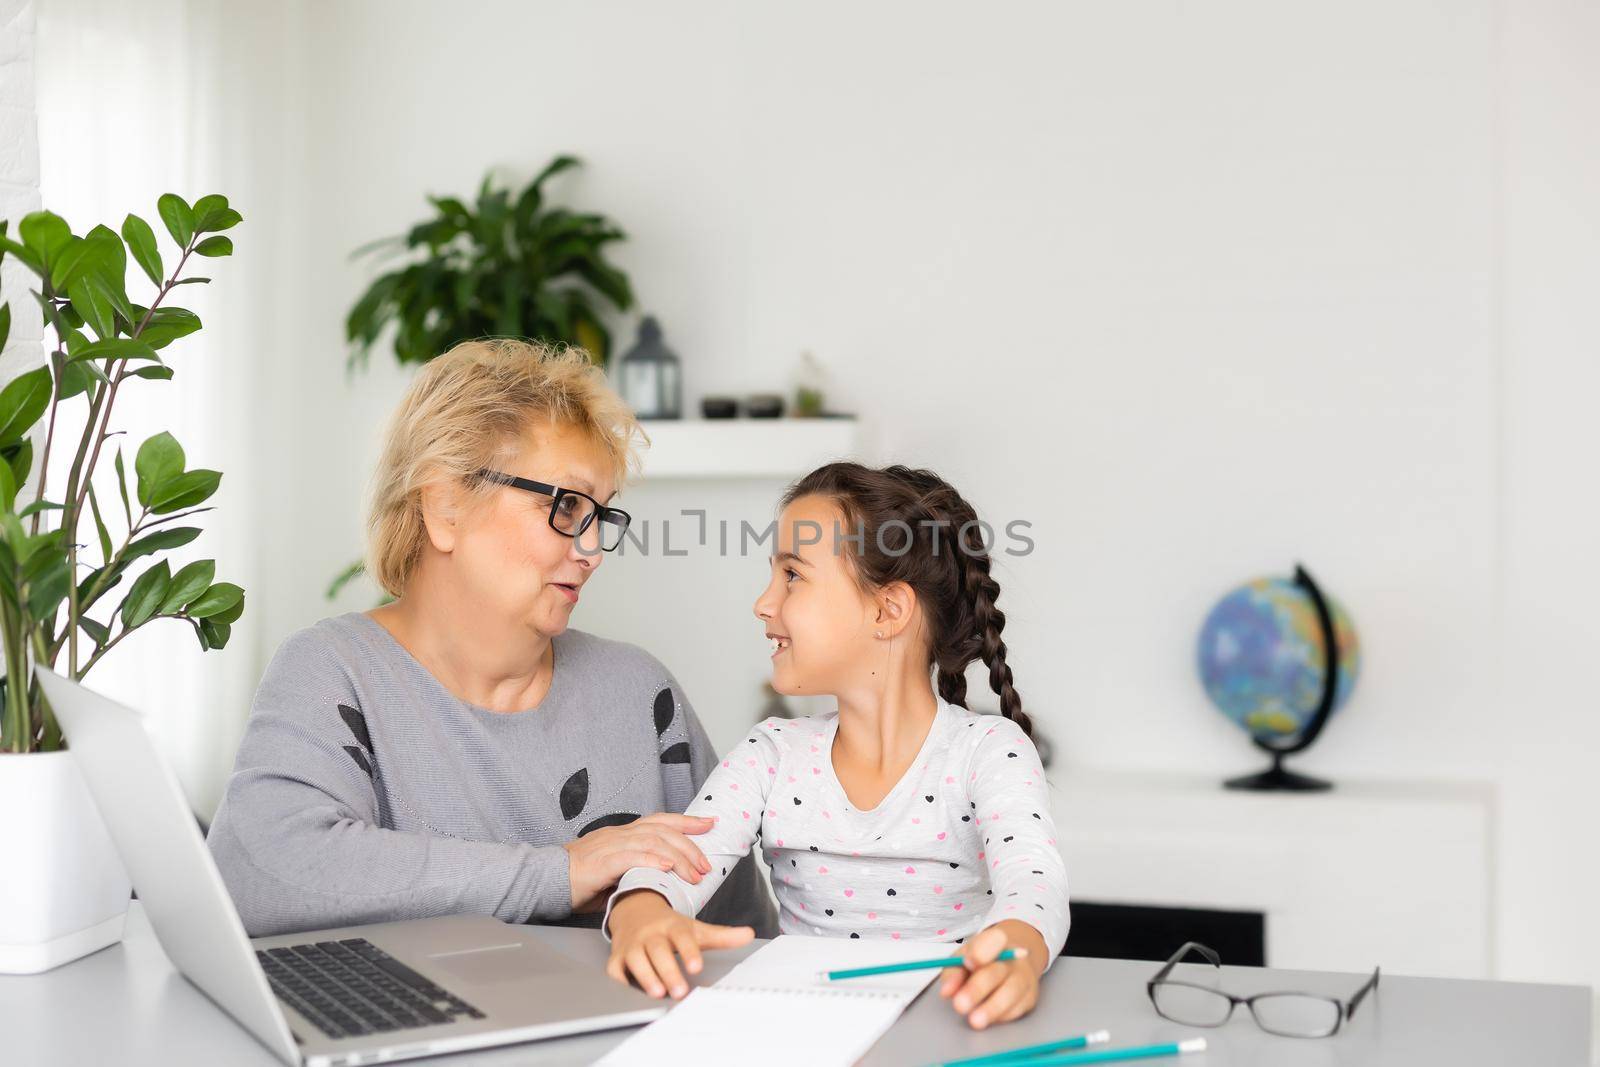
pixel 63 890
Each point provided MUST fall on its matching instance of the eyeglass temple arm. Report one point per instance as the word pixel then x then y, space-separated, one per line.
pixel 1211 957
pixel 1355 1001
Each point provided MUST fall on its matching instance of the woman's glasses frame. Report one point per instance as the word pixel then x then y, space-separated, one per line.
pixel 611 519
pixel 1343 1010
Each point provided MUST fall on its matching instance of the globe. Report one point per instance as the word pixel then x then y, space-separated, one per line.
pixel 1263 661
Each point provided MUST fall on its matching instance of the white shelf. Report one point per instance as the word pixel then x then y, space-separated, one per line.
pixel 745 448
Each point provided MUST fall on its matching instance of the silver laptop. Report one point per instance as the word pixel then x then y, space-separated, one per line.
pixel 357 994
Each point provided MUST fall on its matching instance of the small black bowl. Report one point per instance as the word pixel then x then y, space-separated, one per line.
pixel 719 407
pixel 764 406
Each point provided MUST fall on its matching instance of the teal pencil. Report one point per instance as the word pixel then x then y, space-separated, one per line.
pixel 917 965
pixel 1070 1059
pixel 1008 1058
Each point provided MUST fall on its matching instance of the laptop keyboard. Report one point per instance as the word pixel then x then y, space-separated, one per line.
pixel 351 988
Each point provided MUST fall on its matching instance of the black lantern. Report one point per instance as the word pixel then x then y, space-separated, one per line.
pixel 651 378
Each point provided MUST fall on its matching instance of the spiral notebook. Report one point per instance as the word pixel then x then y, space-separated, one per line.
pixel 775 1008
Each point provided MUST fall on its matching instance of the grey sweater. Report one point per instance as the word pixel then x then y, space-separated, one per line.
pixel 364 791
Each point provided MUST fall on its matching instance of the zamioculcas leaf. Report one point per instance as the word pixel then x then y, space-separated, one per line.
pixel 37 552
pixel 45 235
pixel 113 294
pixel 48 589
pixel 98 631
pixel 159 461
pixel 161 373
pixel 122 486
pixel 74 379
pixel 207 210
pixel 19 457
pixel 184 491
pixel 215 246
pixel 167 325
pixel 215 633
pixel 178 216
pixel 52 314
pixel 69 265
pixel 22 401
pixel 146 595
pixel 229 616
pixel 98 583
pixel 108 259
pixel 5 323
pixel 176 537
pixel 91 303
pixel 8 489
pixel 37 506
pixel 226 219
pixel 216 600
pixel 142 243
pixel 117 348
pixel 100 526
pixel 187 584
pixel 27 255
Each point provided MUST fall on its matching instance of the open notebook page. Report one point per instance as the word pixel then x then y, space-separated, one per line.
pixel 775 1007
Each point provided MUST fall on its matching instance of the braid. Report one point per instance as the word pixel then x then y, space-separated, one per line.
pixel 991 620
pixel 981 591
pixel 976 634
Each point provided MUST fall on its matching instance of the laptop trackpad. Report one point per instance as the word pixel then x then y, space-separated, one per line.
pixel 498 963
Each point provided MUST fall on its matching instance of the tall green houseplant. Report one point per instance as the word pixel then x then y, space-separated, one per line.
pixel 508 266
pixel 55 583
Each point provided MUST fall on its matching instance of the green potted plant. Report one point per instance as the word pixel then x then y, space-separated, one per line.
pixel 509 265
pixel 66 559
pixel 504 267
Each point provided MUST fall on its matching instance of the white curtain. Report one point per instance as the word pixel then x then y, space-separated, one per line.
pixel 132 103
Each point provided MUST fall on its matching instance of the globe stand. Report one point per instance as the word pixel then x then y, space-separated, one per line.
pixel 1278 778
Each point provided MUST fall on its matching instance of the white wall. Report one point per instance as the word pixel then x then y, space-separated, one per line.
pixel 19 180
pixel 1550 512
pixel 1200 290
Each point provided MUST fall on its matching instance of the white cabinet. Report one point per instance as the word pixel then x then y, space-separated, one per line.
pixel 1393 875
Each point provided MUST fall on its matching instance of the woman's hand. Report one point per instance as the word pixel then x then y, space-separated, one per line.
pixel 987 992
pixel 647 937
pixel 596 860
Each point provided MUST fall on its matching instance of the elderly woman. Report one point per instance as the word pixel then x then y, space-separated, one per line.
pixel 461 749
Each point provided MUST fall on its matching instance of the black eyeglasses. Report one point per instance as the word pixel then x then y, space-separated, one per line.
pixel 571 512
pixel 1285 1014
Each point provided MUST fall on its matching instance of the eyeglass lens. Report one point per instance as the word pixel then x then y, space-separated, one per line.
pixel 573 513
pixel 1296 1015
pixel 1191 1004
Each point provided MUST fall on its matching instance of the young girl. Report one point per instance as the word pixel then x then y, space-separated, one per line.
pixel 903 815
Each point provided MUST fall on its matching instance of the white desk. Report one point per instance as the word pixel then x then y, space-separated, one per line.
pixel 126 1005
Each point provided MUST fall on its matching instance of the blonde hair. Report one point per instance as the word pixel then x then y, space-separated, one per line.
pixel 464 411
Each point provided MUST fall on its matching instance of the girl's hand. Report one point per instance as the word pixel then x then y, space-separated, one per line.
pixel 987 992
pixel 647 937
pixel 596 860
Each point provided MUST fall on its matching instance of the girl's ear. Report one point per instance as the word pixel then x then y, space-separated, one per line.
pixel 441 514
pixel 896 605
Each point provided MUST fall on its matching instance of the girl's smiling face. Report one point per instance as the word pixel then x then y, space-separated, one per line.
pixel 815 613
